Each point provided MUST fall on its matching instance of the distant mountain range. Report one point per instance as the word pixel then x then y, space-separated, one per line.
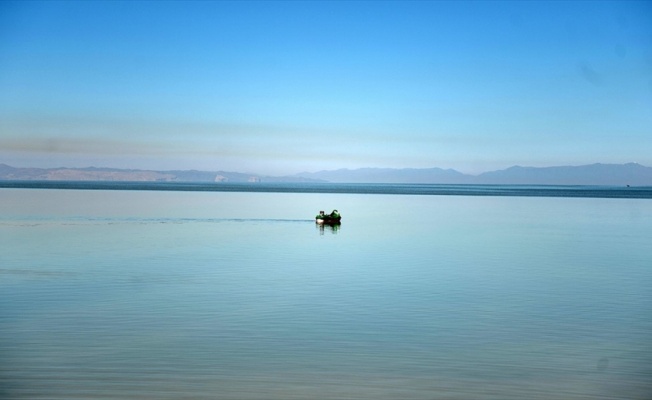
pixel 135 175
pixel 595 174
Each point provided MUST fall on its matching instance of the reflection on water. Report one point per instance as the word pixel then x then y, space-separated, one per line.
pixel 333 227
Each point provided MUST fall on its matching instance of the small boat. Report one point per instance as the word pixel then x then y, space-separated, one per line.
pixel 332 218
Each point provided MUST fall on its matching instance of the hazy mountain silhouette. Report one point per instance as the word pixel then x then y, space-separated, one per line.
pixel 390 175
pixel 595 174
pixel 135 175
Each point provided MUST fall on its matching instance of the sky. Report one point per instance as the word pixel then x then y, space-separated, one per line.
pixel 286 87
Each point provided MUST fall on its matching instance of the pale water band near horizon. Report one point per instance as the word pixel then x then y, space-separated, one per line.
pixel 625 192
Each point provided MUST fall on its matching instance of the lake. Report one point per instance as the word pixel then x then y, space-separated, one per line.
pixel 140 294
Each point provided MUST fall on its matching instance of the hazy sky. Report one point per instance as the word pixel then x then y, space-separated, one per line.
pixel 285 87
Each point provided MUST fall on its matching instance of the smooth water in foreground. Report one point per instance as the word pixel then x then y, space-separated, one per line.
pixel 228 295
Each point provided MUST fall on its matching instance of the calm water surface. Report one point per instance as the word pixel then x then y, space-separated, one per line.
pixel 227 295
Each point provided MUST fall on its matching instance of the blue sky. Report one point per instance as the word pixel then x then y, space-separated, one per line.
pixel 284 87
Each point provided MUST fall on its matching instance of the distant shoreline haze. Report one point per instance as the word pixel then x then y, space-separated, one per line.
pixel 631 174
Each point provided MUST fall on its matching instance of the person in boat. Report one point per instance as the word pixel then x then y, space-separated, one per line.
pixel 335 215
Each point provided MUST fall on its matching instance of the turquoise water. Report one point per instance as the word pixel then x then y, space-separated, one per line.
pixel 231 295
pixel 623 192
